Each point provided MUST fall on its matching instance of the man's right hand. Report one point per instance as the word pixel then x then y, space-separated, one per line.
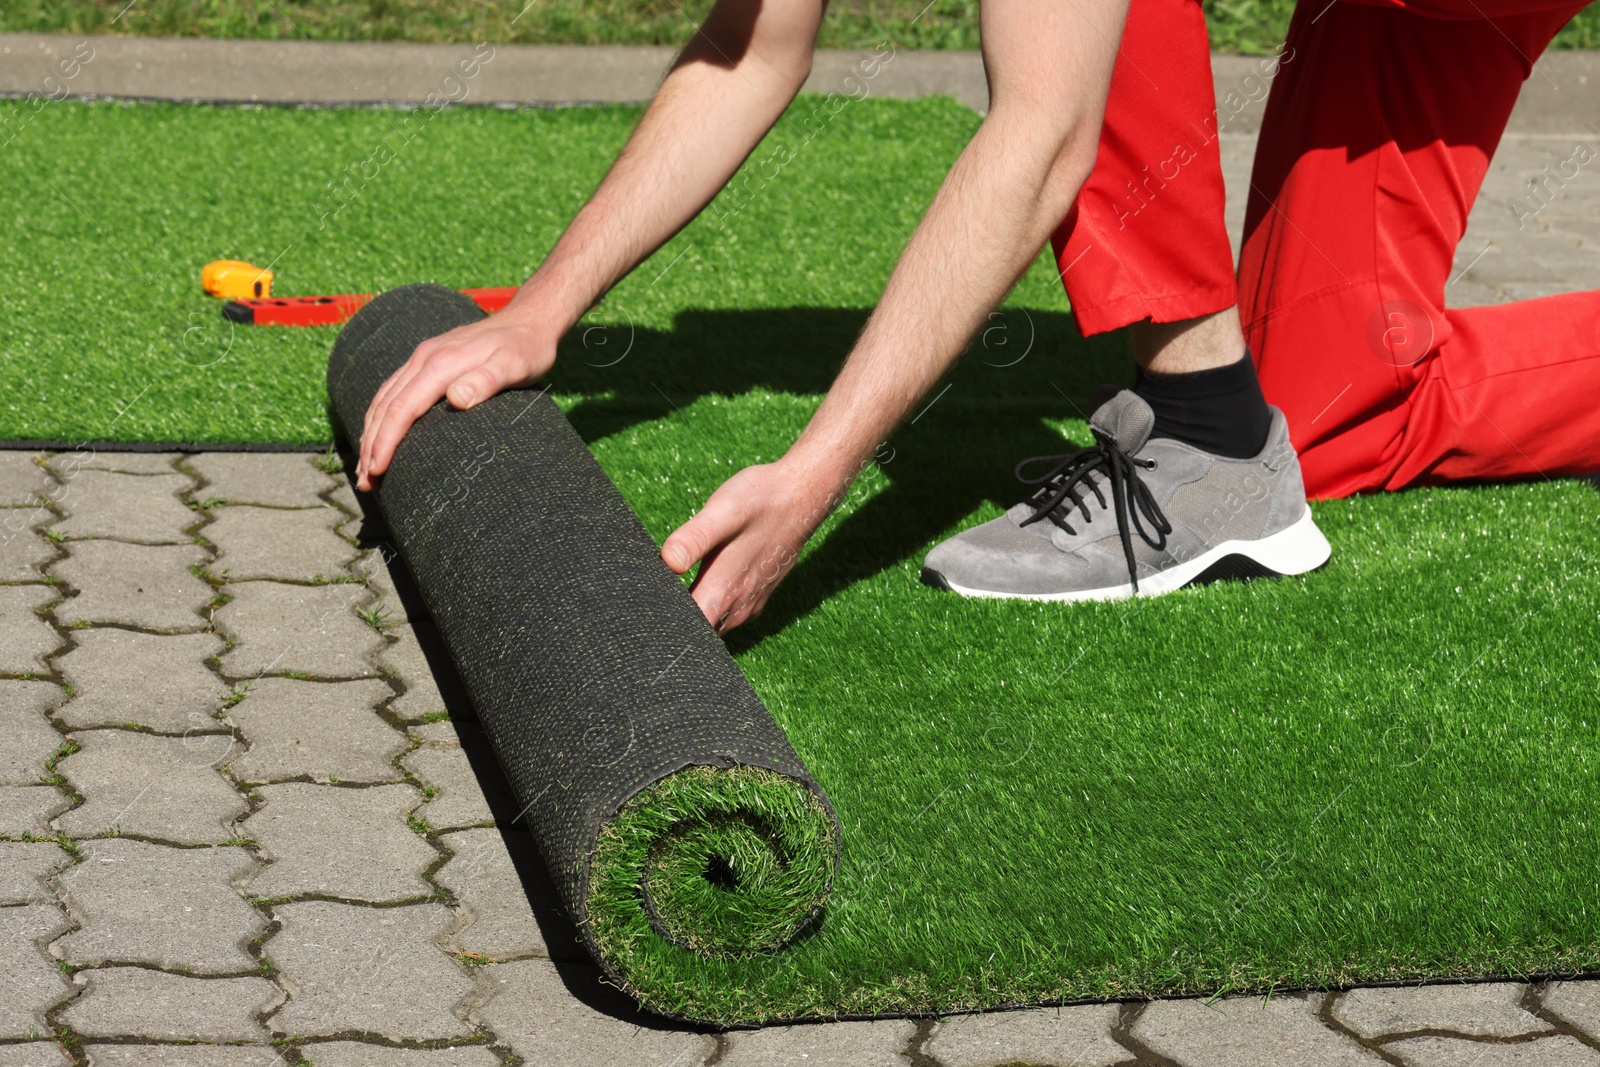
pixel 466 366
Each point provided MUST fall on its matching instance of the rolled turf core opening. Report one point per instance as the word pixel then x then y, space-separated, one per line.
pixel 669 807
pixel 722 862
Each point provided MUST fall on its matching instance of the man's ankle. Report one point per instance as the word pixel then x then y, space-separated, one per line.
pixel 1190 345
pixel 1198 379
pixel 1218 410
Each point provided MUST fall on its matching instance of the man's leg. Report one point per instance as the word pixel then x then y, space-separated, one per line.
pixel 1146 247
pixel 1192 477
pixel 1374 143
pixel 1146 240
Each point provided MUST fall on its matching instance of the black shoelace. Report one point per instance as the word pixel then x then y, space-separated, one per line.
pixel 1059 494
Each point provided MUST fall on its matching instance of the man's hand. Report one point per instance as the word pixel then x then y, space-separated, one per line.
pixel 467 366
pixel 747 538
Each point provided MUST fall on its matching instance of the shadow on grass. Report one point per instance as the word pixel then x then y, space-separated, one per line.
pixel 1025 367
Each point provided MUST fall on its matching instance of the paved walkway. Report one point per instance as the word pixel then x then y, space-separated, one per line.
pixel 307 72
pixel 239 809
pixel 1562 96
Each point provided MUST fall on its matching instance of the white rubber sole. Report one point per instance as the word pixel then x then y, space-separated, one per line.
pixel 1296 549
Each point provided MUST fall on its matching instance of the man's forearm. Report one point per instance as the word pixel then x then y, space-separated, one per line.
pixel 1049 68
pixel 703 122
pixel 985 226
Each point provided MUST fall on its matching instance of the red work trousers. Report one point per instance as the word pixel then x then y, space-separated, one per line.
pixel 1375 139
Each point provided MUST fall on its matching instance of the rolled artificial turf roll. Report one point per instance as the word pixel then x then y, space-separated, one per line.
pixel 665 800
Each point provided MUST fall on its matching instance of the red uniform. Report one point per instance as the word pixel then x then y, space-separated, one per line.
pixel 1380 124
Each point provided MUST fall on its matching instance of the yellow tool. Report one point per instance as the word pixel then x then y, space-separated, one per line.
pixel 234 279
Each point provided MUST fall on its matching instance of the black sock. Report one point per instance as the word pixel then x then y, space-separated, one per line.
pixel 1220 410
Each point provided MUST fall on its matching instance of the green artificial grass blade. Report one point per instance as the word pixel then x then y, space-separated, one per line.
pixel 718 862
pixel 1384 770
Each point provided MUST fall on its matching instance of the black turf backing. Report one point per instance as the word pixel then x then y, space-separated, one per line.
pixel 592 670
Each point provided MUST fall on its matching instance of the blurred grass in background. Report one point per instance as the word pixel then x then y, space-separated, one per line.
pixel 1251 26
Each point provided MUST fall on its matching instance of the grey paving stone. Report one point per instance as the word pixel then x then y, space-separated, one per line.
pixel 173 908
pixel 1488 1010
pixel 325 730
pixel 23 554
pixel 1078 1036
pixel 22 480
pixel 291 545
pixel 459 800
pixel 1576 1003
pixel 344 496
pixel 34 1054
pixel 1523 267
pixel 1511 291
pixel 24 866
pixel 354 968
pixel 1585 228
pixel 1453 1052
pixel 28 809
pixel 350 843
pixel 1466 292
pixel 483 877
pixel 375 568
pixel 127 507
pixel 25 638
pixel 1530 254
pixel 147 786
pixel 33 982
pixel 1247 1032
pixel 137 1002
pixel 466 736
pixel 310 629
pixel 532 1011
pixel 442 733
pixel 26 737
pixel 283 480
pixel 134 585
pixel 17 523
pixel 404 661
pixel 67 464
pixel 833 1045
pixel 355 1054
pixel 185 1056
pixel 160 681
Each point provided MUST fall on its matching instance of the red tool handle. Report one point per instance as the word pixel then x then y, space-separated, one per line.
pixel 332 310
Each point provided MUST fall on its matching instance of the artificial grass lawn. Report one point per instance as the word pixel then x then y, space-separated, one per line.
pixel 1383 770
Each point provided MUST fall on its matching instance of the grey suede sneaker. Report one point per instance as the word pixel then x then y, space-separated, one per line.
pixel 1136 516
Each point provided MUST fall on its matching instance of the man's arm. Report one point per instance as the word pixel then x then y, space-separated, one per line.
pixel 1049 65
pixel 730 85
